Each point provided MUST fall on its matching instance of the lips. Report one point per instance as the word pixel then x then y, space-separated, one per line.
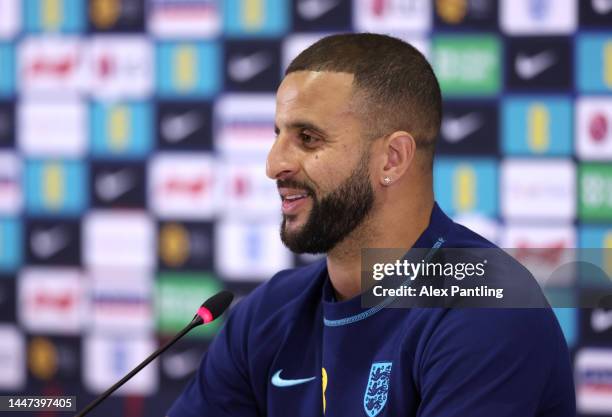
pixel 292 201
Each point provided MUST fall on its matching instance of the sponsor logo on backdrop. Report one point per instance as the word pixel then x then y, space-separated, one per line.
pixel 178 296
pixel 250 250
pixel 594 63
pixel 456 129
pixel 594 128
pixel 10 24
pixel 53 242
pixel 54 65
pixel 51 300
pixel 56 187
pixel 532 17
pixel 316 15
pixel 183 186
pixel 595 201
pixel 543 63
pixel 54 358
pixel 593 379
pixel 466 13
pixel 186 245
pixel 601 320
pixel 596 322
pixel 542 250
pixel 468 128
pixel 314 9
pixel 249 192
pixel 7 124
pixel 246 18
pixel 121 300
pixel 244 124
pixel 7 72
pixel 537 126
pixel 188 69
pixel 54 16
pixel 11 238
pixel 389 16
pixel 12 358
pixel 244 68
pixel 110 186
pixel 121 130
pixel 466 185
pixel 107 358
pixel 11 195
pixel 552 197
pixel 184 126
pixel 595 13
pixel 48 128
pixel 119 239
pixel 121 66
pixel 118 185
pixel 185 18
pixel 252 65
pixel 467 64
pixel 116 15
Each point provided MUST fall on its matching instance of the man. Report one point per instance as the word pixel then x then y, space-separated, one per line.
pixel 356 120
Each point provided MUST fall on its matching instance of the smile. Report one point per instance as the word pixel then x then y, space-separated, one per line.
pixel 292 203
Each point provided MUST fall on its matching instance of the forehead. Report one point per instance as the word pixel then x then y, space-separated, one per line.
pixel 319 95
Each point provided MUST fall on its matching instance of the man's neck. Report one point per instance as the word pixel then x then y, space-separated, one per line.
pixel 396 229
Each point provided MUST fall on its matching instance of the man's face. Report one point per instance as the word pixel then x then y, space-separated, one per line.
pixel 319 161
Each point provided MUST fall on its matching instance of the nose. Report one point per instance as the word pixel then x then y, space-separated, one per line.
pixel 281 162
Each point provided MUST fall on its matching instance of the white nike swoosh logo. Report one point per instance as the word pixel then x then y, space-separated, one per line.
pixel 528 67
pixel 179 365
pixel 602 6
pixel 601 320
pixel 175 128
pixel 47 243
pixel 111 186
pixel 313 9
pixel 456 129
pixel 244 68
pixel 277 381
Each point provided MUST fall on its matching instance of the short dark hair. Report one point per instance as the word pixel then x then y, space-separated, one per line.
pixel 397 84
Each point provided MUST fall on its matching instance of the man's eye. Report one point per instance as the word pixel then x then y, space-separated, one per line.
pixel 307 139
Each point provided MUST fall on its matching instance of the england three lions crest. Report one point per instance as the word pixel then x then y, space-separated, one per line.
pixel 377 389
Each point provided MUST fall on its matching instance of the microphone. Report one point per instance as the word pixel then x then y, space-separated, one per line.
pixel 208 311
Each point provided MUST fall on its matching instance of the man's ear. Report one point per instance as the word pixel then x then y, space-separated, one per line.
pixel 400 149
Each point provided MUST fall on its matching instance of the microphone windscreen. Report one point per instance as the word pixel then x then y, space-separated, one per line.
pixel 218 303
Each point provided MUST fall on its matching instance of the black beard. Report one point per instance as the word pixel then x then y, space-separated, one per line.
pixel 335 215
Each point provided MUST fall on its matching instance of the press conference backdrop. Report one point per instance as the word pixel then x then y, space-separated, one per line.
pixel 133 138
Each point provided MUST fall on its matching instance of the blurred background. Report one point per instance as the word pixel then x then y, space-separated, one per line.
pixel 133 137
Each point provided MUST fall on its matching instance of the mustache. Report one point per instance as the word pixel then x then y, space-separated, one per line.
pixel 294 184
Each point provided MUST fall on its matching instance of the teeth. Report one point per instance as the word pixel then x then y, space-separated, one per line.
pixel 295 197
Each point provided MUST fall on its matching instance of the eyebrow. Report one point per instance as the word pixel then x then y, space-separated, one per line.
pixel 302 124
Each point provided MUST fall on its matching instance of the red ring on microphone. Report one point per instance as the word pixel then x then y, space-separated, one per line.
pixel 205 314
